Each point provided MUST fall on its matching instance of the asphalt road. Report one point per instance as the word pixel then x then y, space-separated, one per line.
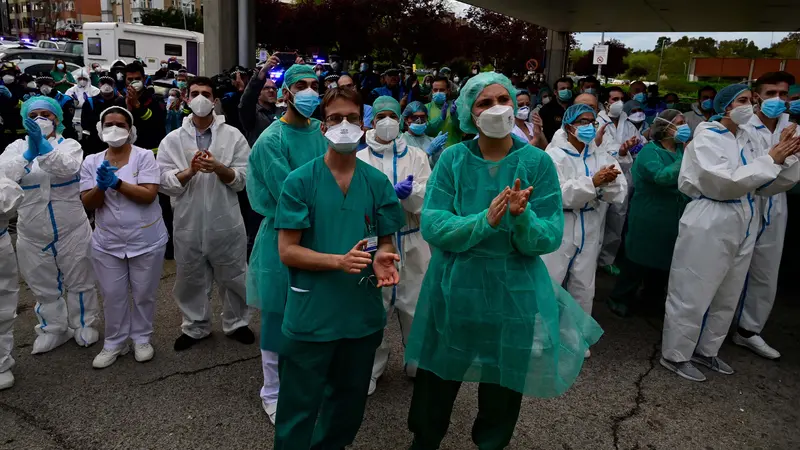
pixel 207 397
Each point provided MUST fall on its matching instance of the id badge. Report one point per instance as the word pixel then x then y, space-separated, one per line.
pixel 372 244
pixel 372 238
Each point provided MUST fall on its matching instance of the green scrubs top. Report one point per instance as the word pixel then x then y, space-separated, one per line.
pixel 449 125
pixel 280 149
pixel 330 305
pixel 656 207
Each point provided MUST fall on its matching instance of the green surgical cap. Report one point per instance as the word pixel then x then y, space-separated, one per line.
pixel 414 107
pixel 469 93
pixel 44 102
pixel 573 112
pixel 386 103
pixel 298 72
pixel 794 89
pixel 727 95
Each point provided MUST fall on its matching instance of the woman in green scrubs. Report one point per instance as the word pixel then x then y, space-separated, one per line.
pixel 656 209
pixel 336 217
pixel 488 311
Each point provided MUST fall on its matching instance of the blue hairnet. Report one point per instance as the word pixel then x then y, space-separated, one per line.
pixel 296 73
pixel 469 93
pixel 727 95
pixel 414 107
pixel 573 112
pixel 47 104
pixel 630 105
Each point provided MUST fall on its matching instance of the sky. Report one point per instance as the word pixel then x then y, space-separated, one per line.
pixel 647 41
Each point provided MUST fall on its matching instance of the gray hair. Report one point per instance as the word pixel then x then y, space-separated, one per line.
pixel 661 125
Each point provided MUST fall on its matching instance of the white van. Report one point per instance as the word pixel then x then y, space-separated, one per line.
pixel 106 42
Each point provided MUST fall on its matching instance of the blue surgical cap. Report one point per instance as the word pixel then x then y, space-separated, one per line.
pixel 296 73
pixel 469 93
pixel 727 95
pixel 414 107
pixel 47 104
pixel 630 105
pixel 573 112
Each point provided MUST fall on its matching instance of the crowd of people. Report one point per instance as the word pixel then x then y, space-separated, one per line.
pixel 476 211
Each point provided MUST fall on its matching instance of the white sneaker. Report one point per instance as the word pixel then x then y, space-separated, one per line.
pixel 587 354
pixel 271 409
pixel 86 336
pixel 6 380
pixel 757 345
pixel 49 341
pixel 373 384
pixel 108 356
pixel 143 352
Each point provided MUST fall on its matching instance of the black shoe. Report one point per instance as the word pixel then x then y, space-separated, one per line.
pixel 243 335
pixel 184 342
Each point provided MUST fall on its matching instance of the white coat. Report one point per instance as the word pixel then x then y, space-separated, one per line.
pixel 208 229
pixel 585 207
pixel 79 95
pixel 53 245
pixel 720 172
pixel 762 279
pixel 10 198
pixel 399 160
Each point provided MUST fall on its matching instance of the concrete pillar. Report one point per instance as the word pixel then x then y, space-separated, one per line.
pixel 556 55
pixel 247 32
pixel 219 18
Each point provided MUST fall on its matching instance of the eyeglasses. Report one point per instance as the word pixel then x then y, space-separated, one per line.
pixel 582 122
pixel 336 119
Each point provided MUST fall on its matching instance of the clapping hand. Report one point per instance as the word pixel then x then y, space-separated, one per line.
pixel 518 199
pixel 195 165
pixel 627 145
pixel 106 178
pixel 403 188
pixel 207 162
pixel 385 270
pixel 498 207
pixel 598 139
pixel 356 259
pixel 437 144
pixel 605 175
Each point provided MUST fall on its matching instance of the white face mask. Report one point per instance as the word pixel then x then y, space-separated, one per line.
pixel 741 115
pixel 115 136
pixel 615 110
pixel 83 83
pixel 545 100
pixel 163 66
pixel 387 129
pixel 523 113
pixel 106 89
pixel 344 137
pixel 201 106
pixel 496 122
pixel 32 85
pixel 46 125
pixel 137 85
pixel 46 90
pixel 8 79
pixel 636 117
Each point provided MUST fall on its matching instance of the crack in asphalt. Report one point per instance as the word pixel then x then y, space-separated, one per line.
pixel 31 420
pixel 202 369
pixel 637 407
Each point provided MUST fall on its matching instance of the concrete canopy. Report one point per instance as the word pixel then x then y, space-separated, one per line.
pixel 652 15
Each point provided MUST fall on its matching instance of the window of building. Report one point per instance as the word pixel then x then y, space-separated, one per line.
pixel 127 48
pixel 95 46
pixel 173 50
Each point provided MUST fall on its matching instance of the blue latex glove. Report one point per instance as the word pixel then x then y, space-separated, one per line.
pixel 31 152
pixel 453 108
pixel 5 92
pixel 636 149
pixel 34 132
pixel 403 188
pixel 106 178
pixel 437 144
pixel 45 147
pixel 794 107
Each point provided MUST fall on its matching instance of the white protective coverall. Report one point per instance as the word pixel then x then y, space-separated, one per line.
pixel 613 137
pixel 54 242
pixel 762 278
pixel 10 198
pixel 79 95
pixel 585 205
pixel 208 229
pixel 716 235
pixel 399 160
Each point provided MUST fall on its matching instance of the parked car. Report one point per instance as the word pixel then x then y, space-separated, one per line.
pixel 33 53
pixel 51 45
pixel 34 67
pixel 73 47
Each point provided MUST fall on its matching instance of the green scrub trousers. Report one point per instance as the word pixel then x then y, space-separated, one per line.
pixel 432 405
pixel 323 391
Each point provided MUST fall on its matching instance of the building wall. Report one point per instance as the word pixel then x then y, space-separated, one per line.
pixel 744 68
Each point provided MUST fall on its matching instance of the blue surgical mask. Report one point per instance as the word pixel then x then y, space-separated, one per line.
pixel 60 66
pixel 773 107
pixel 418 129
pixel 670 105
pixel 707 104
pixel 565 95
pixel 306 101
pixel 794 107
pixel 592 91
pixel 683 133
pixel 585 133
pixel 641 97
pixel 439 98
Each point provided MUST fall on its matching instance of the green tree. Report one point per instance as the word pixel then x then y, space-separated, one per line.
pixel 173 18
pixel 701 46
pixel 642 65
pixel 788 47
pixel 742 48
pixel 663 40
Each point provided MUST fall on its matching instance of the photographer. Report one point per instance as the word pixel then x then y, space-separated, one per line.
pixel 240 76
pixel 260 96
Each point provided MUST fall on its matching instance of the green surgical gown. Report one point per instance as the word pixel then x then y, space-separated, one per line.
pixel 280 149
pixel 329 305
pixel 488 311
pixel 449 125
pixel 656 207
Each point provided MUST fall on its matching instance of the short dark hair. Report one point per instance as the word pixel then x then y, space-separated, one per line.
pixel 441 78
pixel 706 88
pixel 563 80
pixel 201 81
pixel 337 93
pixel 672 94
pixel 591 79
pixel 615 89
pixel 134 67
pixel 773 78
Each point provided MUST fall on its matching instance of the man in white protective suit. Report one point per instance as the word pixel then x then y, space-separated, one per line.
pixel 10 198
